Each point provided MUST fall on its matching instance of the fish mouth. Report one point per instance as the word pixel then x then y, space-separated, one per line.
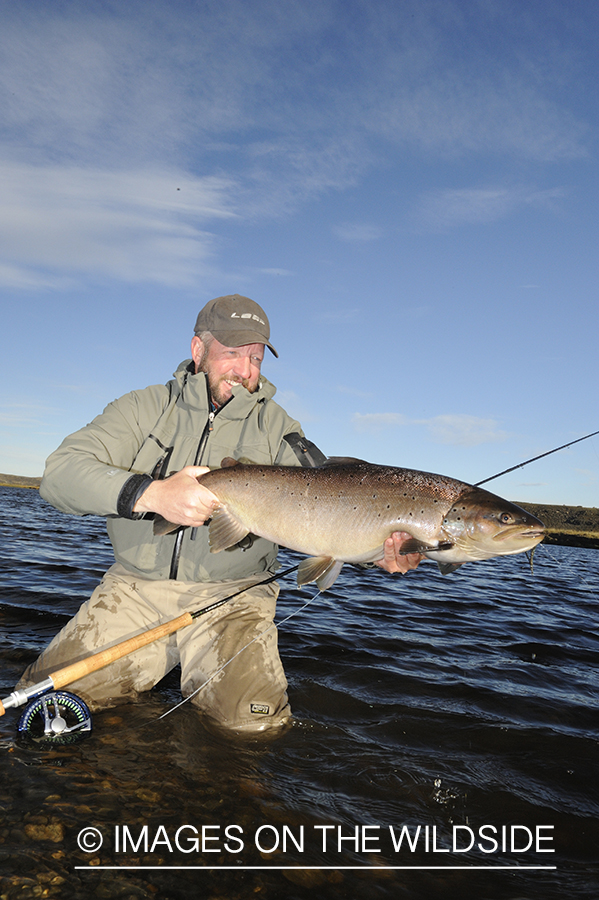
pixel 522 534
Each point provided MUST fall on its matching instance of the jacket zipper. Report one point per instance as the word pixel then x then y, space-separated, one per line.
pixel 175 559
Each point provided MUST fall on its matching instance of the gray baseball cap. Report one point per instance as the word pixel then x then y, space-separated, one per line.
pixel 235 320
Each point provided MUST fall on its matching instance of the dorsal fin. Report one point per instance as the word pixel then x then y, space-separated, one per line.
pixel 344 461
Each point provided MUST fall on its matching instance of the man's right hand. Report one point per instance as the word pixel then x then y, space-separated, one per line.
pixel 180 498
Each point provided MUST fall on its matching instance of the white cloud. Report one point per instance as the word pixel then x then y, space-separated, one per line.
pixel 460 429
pixel 132 225
pixel 470 206
pixel 296 406
pixel 23 415
pixel 589 476
pixel 310 87
pixel 341 316
pixel 265 106
pixel 356 232
pixel 464 430
pixel 353 392
pixel 368 421
pixel 19 278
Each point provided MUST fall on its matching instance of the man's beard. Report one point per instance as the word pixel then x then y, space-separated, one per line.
pixel 216 383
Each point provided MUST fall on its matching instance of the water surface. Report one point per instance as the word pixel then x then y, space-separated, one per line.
pixel 443 704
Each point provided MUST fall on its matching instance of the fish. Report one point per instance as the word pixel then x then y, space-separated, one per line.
pixel 343 511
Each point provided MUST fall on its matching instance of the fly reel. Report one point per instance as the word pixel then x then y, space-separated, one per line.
pixel 58 717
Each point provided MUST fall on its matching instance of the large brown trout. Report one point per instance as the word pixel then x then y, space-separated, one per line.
pixel 343 512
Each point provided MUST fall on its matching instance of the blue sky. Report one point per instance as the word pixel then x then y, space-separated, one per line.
pixel 408 188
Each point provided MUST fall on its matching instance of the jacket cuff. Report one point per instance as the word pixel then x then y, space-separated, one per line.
pixel 130 493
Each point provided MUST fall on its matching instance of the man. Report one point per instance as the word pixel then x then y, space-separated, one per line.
pixel 142 456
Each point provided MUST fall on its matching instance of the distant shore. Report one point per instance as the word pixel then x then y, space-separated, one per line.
pixel 21 481
pixel 570 526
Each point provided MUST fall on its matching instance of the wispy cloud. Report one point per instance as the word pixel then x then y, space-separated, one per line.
pixel 274 272
pixel 472 206
pixel 357 232
pixel 460 429
pixel 464 430
pixel 353 392
pixel 23 415
pixel 252 109
pixel 341 316
pixel 296 407
pixel 368 421
pixel 131 225
pixel 590 477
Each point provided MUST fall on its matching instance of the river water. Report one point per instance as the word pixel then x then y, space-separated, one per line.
pixel 445 742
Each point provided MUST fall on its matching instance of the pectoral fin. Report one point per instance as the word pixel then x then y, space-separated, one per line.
pixel 447 568
pixel 415 546
pixel 321 569
pixel 162 526
pixel 224 530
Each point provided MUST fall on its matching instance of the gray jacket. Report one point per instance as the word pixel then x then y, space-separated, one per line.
pixel 104 467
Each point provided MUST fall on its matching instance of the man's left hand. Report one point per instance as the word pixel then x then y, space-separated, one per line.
pixel 392 560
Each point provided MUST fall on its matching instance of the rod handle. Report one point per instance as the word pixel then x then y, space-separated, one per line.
pixel 75 671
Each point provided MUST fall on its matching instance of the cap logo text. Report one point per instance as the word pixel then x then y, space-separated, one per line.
pixel 248 316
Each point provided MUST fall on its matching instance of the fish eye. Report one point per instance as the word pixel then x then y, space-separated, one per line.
pixel 506 518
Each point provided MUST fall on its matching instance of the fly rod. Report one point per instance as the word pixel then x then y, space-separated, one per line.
pixel 534 458
pixel 75 671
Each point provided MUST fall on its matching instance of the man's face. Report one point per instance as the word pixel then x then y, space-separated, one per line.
pixel 226 366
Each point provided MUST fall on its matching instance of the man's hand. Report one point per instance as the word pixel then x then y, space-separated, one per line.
pixel 392 561
pixel 180 498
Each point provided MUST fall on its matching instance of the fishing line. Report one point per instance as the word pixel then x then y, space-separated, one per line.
pixel 562 565
pixel 229 661
pixel 63 701
pixel 55 715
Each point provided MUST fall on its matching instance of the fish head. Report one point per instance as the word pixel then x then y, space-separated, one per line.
pixel 482 525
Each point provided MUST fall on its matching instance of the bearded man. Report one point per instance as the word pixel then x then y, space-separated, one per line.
pixel 142 456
